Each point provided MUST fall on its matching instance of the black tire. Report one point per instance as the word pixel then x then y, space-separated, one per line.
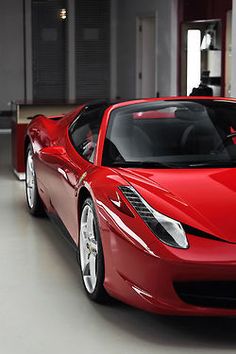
pixel 99 294
pixel 35 206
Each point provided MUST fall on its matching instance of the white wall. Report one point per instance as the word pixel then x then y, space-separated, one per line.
pixel 127 12
pixel 11 52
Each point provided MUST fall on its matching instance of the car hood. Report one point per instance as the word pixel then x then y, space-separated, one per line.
pixel 202 198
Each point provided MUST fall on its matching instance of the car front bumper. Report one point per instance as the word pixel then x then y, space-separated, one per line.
pixel 198 281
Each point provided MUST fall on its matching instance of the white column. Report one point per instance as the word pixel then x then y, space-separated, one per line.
pixel 71 82
pixel 233 69
pixel 113 50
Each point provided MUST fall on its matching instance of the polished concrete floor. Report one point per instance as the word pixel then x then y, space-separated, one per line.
pixel 42 304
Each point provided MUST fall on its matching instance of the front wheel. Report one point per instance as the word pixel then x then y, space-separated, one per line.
pixel 91 254
pixel 34 202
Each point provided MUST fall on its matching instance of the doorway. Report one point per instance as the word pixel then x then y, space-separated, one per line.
pixel 146 64
pixel 201 57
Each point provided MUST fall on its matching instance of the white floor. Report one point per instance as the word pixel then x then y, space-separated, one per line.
pixel 43 308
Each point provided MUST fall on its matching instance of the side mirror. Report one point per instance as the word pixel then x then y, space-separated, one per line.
pixel 52 154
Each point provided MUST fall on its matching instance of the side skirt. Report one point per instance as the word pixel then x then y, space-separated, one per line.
pixel 63 230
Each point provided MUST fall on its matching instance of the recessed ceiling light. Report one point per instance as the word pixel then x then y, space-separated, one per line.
pixel 63 14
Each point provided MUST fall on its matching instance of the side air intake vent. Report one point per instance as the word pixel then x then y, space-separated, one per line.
pixel 136 203
pixel 168 230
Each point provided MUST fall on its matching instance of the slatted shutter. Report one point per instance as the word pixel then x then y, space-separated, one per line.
pixel 49 61
pixel 92 49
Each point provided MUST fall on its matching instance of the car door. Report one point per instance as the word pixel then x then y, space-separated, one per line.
pixel 68 169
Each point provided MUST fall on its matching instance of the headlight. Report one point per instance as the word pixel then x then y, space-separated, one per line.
pixel 168 230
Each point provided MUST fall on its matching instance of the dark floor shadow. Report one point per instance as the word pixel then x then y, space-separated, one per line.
pixel 188 332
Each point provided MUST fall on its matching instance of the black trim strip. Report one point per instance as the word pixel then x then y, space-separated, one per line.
pixel 196 232
pixel 63 230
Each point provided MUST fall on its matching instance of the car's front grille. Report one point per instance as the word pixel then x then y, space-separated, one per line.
pixel 214 294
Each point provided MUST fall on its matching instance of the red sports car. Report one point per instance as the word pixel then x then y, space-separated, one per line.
pixel 145 191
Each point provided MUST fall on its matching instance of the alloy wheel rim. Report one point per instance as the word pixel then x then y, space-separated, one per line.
pixel 88 249
pixel 30 180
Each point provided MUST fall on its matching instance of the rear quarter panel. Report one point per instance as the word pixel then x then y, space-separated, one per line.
pixel 43 132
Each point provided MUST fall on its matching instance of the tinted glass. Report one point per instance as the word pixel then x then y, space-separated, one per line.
pixel 84 132
pixel 172 134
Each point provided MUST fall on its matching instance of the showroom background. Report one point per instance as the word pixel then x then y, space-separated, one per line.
pixel 95 49
pixel 93 52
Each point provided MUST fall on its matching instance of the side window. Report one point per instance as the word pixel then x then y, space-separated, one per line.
pixel 84 132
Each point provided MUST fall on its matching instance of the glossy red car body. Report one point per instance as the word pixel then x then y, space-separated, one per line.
pixel 139 269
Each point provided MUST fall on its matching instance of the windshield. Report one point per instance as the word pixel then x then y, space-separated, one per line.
pixel 172 134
